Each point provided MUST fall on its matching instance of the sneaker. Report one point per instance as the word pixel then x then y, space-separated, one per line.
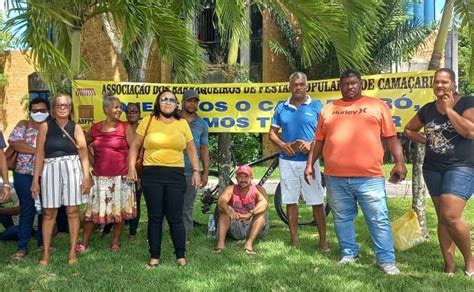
pixel 348 259
pixel 389 268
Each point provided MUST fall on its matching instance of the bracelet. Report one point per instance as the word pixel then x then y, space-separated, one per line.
pixel 7 185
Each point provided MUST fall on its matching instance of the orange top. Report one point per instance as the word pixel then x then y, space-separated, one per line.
pixel 352 132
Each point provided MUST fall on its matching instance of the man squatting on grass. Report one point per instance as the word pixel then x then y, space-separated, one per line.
pixel 243 209
pixel 349 137
pixel 297 118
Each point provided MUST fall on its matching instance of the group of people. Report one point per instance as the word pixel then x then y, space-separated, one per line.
pixel 172 146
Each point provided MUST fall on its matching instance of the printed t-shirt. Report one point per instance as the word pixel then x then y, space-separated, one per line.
pixel 164 142
pixel 445 147
pixel 352 132
pixel 297 123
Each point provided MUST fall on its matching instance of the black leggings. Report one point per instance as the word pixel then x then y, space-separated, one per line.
pixel 163 189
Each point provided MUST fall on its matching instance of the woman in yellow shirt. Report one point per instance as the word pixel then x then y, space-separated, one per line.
pixel 164 136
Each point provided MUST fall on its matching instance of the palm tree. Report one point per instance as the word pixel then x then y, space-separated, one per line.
pixel 51 29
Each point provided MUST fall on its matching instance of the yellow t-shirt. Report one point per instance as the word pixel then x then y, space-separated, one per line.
pixel 164 143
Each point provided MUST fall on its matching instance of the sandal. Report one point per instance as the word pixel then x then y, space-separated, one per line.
pixel 218 249
pixel 181 262
pixel 150 266
pixel 115 246
pixel 72 261
pixel 250 251
pixel 82 248
pixel 43 263
pixel 19 255
pixel 470 275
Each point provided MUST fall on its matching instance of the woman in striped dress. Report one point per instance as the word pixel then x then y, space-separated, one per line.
pixel 63 165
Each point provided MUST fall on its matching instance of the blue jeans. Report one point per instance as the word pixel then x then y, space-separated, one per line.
pixel 22 183
pixel 343 195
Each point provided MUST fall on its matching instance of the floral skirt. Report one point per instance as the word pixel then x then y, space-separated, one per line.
pixel 112 200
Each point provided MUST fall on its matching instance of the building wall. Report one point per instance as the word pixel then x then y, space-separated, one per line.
pixel 17 70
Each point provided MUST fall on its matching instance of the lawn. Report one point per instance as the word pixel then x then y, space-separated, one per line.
pixel 276 266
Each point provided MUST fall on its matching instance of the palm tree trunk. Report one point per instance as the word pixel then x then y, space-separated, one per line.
pixel 76 51
pixel 442 36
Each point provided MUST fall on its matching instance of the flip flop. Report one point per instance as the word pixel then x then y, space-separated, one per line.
pixel 326 249
pixel 470 275
pixel 82 248
pixel 218 249
pixel 115 246
pixel 72 262
pixel 181 262
pixel 149 266
pixel 19 255
pixel 250 251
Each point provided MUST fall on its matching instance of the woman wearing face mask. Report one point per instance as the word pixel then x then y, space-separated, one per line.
pixel 23 140
pixel 164 136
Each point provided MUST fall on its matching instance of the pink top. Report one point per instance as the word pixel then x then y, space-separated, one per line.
pixel 110 150
pixel 243 203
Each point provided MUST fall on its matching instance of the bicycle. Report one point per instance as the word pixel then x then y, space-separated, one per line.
pixel 210 195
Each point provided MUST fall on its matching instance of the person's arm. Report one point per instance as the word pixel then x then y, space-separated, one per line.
pixel 262 203
pixel 137 142
pixel 223 203
pixel 20 145
pixel 84 156
pixel 193 158
pixel 395 148
pixel 6 184
pixel 412 130
pixel 39 159
pixel 285 147
pixel 463 124
pixel 314 154
pixel 10 211
pixel 204 151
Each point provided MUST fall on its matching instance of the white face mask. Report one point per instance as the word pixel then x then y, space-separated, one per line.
pixel 39 117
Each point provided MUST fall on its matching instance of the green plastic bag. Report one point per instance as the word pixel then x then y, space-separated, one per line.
pixel 406 231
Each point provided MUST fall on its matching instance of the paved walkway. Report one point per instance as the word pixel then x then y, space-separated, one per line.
pixel 402 189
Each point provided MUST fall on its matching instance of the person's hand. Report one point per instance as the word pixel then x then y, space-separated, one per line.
pixel 132 174
pixel 5 192
pixel 86 185
pixel 196 180
pixel 35 190
pixel 245 217
pixel 204 178
pixel 400 170
pixel 304 146
pixel 309 173
pixel 232 214
pixel 447 102
pixel 286 148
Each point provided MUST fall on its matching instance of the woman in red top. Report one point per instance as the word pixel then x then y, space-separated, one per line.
pixel 112 198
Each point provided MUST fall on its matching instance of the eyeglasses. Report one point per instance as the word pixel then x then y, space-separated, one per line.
pixel 39 110
pixel 63 105
pixel 169 100
pixel 132 112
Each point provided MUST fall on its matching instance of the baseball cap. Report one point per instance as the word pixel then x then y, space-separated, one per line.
pixel 244 169
pixel 188 94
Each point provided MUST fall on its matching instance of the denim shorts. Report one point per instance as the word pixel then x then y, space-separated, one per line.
pixel 458 181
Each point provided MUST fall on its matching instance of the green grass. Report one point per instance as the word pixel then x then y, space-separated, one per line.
pixel 275 267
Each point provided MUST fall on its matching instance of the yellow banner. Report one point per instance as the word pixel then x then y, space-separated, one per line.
pixel 248 107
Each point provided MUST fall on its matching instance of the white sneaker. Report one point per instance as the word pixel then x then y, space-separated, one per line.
pixel 348 260
pixel 389 268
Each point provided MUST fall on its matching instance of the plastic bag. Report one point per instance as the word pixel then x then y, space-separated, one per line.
pixel 406 231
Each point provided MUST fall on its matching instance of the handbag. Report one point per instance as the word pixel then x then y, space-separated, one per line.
pixel 141 152
pixel 11 155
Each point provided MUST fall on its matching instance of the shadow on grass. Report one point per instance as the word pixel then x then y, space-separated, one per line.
pixel 275 267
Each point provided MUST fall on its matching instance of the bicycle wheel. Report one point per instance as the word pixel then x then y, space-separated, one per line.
pixel 305 216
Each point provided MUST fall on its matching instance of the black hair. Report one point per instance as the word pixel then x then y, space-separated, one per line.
pixel 350 73
pixel 451 73
pixel 134 103
pixel 156 106
pixel 37 100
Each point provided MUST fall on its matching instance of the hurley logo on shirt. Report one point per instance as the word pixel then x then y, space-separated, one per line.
pixel 350 112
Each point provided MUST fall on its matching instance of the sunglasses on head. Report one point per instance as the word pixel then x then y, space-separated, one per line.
pixel 169 100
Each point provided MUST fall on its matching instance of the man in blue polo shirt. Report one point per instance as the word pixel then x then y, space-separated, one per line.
pixel 297 118
pixel 199 129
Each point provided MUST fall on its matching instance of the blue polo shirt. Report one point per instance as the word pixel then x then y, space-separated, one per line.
pixel 2 141
pixel 200 131
pixel 297 123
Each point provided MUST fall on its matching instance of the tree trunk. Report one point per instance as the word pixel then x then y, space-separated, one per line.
pixel 224 159
pixel 418 187
pixel 442 36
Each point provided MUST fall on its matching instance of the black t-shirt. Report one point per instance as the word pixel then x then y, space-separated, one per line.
pixel 57 144
pixel 2 141
pixel 445 148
